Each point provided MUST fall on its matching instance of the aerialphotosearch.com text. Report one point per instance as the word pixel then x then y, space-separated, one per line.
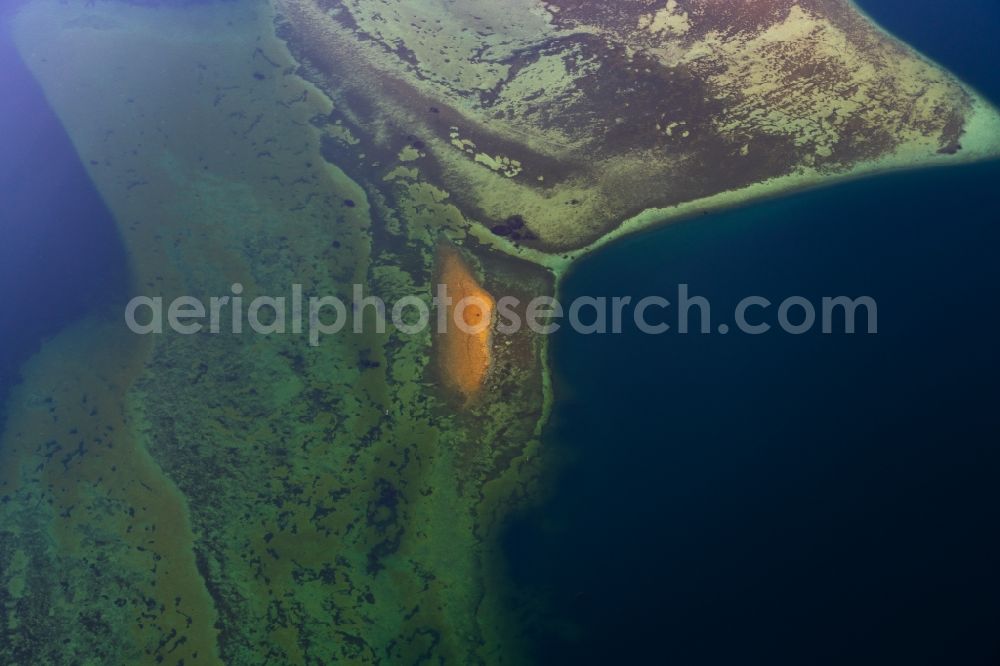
pixel 321 316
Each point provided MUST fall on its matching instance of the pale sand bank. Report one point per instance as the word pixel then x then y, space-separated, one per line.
pixel 980 142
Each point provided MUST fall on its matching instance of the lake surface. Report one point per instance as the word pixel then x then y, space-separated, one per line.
pixel 60 254
pixel 784 499
pixel 724 499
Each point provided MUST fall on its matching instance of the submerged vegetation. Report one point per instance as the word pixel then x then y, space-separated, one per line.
pixel 253 499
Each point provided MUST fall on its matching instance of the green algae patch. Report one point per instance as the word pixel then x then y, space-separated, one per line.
pixel 96 556
pixel 331 502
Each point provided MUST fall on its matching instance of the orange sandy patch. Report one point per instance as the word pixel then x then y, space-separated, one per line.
pixel 465 351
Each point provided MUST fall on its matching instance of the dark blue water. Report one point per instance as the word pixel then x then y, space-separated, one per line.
pixel 789 500
pixel 60 254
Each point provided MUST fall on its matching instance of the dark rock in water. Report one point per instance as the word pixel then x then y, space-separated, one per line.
pixel 515 222
pixel 434 109
pixel 259 76
pixel 515 228
pixel 329 149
